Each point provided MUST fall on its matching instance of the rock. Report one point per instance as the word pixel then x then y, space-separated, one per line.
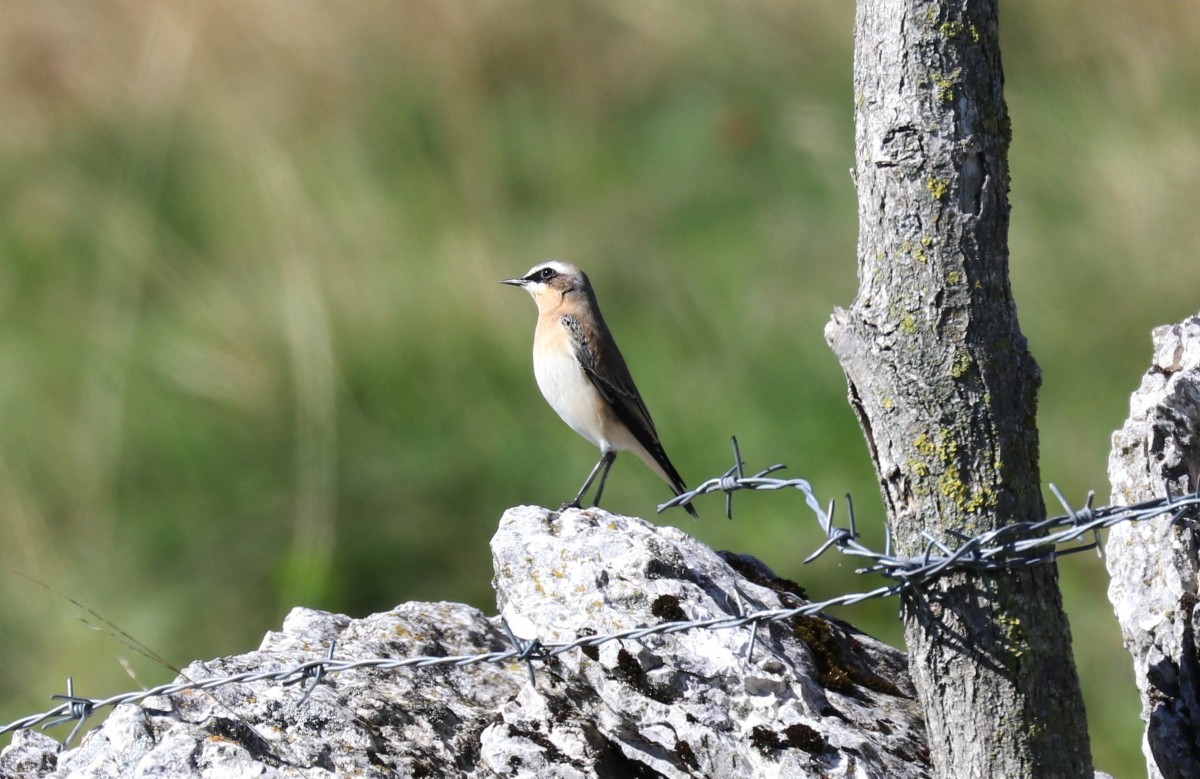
pixel 1154 564
pixel 31 753
pixel 358 723
pixel 815 698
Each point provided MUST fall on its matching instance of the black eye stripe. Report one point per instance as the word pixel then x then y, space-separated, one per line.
pixel 545 274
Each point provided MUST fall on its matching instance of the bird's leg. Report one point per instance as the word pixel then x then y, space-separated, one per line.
pixel 611 458
pixel 605 459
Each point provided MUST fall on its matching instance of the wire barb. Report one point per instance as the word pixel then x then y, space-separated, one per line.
pixel 77 708
pixel 526 651
pixel 314 671
pixel 740 610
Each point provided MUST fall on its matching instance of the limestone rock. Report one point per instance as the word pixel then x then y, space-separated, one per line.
pixel 814 698
pixel 358 723
pixel 31 753
pixel 1154 564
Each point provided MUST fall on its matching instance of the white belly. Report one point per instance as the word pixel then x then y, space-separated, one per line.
pixel 572 396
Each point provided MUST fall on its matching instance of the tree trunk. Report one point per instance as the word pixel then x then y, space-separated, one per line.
pixel 946 390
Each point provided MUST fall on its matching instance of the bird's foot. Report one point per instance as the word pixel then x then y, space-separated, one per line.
pixel 570 504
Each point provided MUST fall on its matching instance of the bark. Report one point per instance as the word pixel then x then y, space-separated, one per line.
pixel 945 388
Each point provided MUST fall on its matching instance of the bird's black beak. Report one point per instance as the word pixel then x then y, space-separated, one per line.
pixel 514 282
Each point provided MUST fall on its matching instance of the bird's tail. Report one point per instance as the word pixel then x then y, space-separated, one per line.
pixel 659 463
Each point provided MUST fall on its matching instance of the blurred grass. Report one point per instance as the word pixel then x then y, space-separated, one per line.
pixel 253 353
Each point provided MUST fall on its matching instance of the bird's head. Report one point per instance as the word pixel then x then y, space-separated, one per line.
pixel 550 282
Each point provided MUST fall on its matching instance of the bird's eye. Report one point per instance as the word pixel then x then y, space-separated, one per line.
pixel 546 274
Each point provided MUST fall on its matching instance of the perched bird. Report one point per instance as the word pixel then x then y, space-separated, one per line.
pixel 582 375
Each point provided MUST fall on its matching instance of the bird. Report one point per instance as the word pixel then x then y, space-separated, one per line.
pixel 583 376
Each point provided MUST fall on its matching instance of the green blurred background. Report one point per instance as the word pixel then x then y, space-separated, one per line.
pixel 254 355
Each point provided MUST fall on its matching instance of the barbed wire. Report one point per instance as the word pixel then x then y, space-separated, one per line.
pixel 1014 545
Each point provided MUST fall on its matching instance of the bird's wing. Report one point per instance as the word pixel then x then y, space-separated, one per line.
pixel 604 366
